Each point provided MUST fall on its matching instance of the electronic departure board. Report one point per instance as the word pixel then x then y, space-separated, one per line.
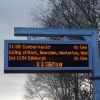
pixel 47 55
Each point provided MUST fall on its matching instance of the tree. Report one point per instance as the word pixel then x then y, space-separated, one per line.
pixel 59 87
pixel 67 86
pixel 70 13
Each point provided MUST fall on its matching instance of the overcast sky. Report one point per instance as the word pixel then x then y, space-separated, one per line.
pixel 13 13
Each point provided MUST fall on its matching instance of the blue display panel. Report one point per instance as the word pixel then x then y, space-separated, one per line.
pixel 47 56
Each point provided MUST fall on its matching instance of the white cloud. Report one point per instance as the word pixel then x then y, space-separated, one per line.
pixel 12 86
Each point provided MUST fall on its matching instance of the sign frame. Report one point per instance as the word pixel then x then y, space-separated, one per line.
pixel 13 69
